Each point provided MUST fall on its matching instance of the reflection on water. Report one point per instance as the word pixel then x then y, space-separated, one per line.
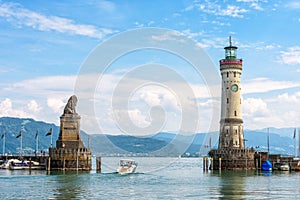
pixel 231 184
pixel 68 186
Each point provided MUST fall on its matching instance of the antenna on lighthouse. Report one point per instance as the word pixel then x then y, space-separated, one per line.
pixel 230 42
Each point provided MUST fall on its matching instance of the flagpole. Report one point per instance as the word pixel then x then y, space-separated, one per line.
pixel 295 143
pixel 37 143
pixel 268 143
pixel 298 143
pixel 3 144
pixel 21 143
pixel 51 140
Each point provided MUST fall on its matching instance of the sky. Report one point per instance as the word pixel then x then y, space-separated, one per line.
pixel 46 45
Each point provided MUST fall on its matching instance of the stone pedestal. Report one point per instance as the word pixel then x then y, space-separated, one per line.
pixel 69 135
pixel 70 154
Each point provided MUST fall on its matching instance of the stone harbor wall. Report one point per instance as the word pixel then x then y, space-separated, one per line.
pixel 70 159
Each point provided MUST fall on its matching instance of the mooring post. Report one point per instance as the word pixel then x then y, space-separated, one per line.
pixel 256 160
pixel 48 166
pixel 30 163
pixel 98 164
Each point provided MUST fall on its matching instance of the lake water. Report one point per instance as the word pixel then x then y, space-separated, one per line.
pixel 156 178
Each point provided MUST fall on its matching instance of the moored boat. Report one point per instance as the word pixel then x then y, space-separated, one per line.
pixel 25 165
pixel 267 166
pixel 297 168
pixel 284 167
pixel 7 163
pixel 126 166
pixel 18 165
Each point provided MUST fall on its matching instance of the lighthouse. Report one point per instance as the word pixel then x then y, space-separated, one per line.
pixel 231 123
pixel 231 153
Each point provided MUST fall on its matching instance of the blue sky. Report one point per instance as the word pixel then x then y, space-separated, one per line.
pixel 45 43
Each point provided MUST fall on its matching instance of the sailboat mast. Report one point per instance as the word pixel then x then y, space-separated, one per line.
pixel 298 143
pixel 268 143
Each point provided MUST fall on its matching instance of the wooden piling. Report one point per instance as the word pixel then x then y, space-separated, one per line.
pixel 30 163
pixel 48 165
pixel 98 164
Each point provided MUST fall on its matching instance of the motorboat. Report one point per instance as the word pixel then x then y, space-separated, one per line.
pixel 7 163
pixel 284 167
pixel 126 166
pixel 25 165
pixel 18 165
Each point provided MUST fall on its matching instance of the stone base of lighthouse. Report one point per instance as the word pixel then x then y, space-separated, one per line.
pixel 232 159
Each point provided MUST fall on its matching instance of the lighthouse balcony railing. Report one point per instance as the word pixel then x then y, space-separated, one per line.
pixel 231 62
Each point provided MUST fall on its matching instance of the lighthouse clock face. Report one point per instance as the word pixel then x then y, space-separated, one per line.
pixel 234 88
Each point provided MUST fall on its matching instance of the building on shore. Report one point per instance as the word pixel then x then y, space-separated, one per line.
pixel 70 153
pixel 231 153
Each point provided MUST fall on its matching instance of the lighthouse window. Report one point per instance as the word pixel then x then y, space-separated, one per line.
pixel 235 113
pixel 227 74
pixel 227 100
pixel 234 74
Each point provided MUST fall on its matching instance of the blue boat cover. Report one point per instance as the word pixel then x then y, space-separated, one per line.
pixel 267 166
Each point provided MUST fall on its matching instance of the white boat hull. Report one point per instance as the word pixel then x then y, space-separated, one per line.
pixel 127 166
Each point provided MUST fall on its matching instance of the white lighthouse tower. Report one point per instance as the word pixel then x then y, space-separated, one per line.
pixel 231 124
pixel 231 153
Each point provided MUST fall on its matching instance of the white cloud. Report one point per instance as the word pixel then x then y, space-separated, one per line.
pixel 293 4
pixel 56 104
pixel 212 43
pixel 255 107
pixel 19 16
pixel 216 9
pixel 285 97
pixel 43 86
pixel 51 93
pixel 255 4
pixel 191 34
pixel 7 109
pixel 33 106
pixel 168 36
pixel 106 5
pixel 261 85
pixel 291 56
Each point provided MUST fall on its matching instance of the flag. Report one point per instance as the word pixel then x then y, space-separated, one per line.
pixel 36 134
pixel 19 134
pixel 294 133
pixel 49 132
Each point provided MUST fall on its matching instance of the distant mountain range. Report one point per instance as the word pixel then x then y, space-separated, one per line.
pixel 160 144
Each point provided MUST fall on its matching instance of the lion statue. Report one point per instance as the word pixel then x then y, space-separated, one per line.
pixel 70 107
